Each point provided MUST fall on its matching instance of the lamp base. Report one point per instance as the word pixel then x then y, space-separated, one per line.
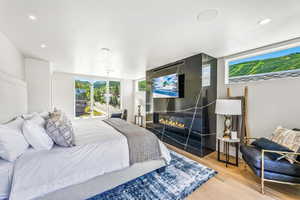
pixel 227 127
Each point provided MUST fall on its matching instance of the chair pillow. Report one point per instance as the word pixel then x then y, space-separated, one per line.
pixel 36 135
pixel 264 143
pixel 12 143
pixel 288 138
pixel 60 129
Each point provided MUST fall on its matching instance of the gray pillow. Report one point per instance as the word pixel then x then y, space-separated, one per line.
pixel 60 130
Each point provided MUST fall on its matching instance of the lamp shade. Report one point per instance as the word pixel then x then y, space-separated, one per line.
pixel 228 107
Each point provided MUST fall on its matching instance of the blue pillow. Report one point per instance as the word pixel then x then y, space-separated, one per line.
pixel 116 115
pixel 264 143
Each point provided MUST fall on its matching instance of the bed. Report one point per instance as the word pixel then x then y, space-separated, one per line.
pixel 100 161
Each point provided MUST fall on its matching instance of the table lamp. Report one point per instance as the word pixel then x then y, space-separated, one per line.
pixel 228 107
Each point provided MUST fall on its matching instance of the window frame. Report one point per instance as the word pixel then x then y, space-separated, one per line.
pixel 253 53
pixel 137 84
pixel 94 79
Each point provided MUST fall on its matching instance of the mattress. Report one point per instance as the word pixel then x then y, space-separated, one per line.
pixel 6 172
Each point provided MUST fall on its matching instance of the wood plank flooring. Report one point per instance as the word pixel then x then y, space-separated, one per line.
pixel 236 183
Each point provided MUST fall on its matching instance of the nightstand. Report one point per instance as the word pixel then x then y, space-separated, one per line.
pixel 227 142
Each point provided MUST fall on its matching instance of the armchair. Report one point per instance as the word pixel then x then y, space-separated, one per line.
pixel 268 169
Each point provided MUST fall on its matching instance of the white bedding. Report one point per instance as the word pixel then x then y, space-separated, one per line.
pixel 101 149
pixel 6 172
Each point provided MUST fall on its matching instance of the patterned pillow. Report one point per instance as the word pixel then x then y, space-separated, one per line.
pixel 60 130
pixel 287 138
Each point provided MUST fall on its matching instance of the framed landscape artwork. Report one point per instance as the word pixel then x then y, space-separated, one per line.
pixel 276 64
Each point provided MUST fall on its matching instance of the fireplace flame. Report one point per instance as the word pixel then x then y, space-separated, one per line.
pixel 171 123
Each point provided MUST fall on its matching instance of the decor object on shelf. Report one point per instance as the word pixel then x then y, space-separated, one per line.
pixel 180 178
pixel 228 107
pixel 139 110
pixel 139 120
pixel 233 135
pixel 262 163
pixel 227 142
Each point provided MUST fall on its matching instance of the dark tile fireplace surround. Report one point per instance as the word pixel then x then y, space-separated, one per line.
pixel 171 119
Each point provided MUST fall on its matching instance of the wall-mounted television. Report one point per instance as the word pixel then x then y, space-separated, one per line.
pixel 166 86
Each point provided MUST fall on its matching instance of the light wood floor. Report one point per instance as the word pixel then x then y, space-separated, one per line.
pixel 236 183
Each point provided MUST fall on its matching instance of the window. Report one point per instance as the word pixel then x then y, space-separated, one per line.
pixel 96 98
pixel 280 63
pixel 142 85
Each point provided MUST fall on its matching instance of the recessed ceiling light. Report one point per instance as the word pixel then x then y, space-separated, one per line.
pixel 32 17
pixel 207 15
pixel 43 46
pixel 264 21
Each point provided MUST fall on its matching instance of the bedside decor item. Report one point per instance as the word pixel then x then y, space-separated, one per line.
pixel 233 135
pixel 228 107
pixel 139 118
pixel 227 142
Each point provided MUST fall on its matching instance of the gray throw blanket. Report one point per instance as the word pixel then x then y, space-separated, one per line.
pixel 143 145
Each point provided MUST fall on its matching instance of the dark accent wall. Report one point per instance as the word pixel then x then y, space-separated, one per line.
pixel 201 139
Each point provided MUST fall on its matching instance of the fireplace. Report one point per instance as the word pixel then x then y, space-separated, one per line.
pixel 172 122
pixel 175 120
pixel 179 129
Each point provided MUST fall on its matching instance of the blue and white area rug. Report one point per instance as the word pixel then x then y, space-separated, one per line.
pixel 180 178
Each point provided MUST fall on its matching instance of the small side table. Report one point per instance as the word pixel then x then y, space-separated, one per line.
pixel 139 120
pixel 227 142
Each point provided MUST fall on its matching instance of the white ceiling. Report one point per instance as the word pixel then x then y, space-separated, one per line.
pixel 142 33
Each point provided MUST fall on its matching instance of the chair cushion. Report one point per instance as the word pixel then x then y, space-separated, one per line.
pixel 116 115
pixel 273 175
pixel 253 157
pixel 264 143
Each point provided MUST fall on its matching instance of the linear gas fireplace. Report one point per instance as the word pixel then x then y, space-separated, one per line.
pixel 181 112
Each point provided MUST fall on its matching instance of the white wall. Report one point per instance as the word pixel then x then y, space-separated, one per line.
pixel 38 78
pixel 11 60
pixel 63 92
pixel 271 102
pixel 13 91
pixel 128 97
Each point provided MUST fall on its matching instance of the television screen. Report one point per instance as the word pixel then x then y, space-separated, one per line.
pixel 165 86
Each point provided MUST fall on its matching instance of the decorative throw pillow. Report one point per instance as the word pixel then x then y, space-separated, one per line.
pixel 36 135
pixel 60 129
pixel 264 143
pixel 287 138
pixel 12 143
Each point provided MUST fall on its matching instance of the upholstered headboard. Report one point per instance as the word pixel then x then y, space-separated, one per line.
pixel 13 97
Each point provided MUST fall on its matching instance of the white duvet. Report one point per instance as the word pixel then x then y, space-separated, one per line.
pixel 100 149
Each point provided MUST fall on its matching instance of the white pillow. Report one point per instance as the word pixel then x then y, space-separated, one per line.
pixel 28 115
pixel 15 124
pixel 12 143
pixel 36 135
pixel 37 119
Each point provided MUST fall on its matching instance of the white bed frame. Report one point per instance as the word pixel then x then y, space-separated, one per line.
pixel 105 182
